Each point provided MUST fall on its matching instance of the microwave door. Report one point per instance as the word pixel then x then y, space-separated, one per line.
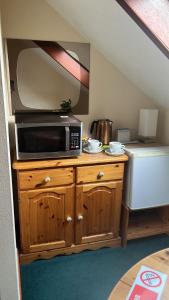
pixel 44 139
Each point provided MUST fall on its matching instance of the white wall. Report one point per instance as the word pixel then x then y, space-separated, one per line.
pixel 9 281
pixel 121 40
pixel 163 128
pixel 112 95
pixel 126 46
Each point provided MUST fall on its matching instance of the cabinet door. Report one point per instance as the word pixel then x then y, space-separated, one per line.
pixel 98 208
pixel 46 218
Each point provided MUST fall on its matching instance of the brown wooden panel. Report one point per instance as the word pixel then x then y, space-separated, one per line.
pixel 163 213
pixel 46 211
pixel 45 178
pixel 99 173
pixel 43 216
pixel 145 223
pixel 24 222
pixel 100 206
pixel 124 224
pixel 97 237
pixel 69 212
pixel 47 246
pixel 97 211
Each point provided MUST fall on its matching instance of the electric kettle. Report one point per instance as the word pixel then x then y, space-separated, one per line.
pixel 102 130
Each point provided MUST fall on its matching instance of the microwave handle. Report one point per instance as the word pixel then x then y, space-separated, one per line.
pixel 67 138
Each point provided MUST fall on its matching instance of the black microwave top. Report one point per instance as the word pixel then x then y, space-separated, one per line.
pixel 46 118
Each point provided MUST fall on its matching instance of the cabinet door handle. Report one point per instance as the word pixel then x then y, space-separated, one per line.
pixel 47 179
pixel 100 174
pixel 79 217
pixel 69 219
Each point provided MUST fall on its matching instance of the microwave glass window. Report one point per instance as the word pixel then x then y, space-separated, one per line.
pixel 41 139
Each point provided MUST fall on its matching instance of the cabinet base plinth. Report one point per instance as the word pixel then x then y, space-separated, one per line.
pixel 30 257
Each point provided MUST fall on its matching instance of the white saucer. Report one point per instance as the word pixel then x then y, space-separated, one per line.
pixel 85 149
pixel 107 151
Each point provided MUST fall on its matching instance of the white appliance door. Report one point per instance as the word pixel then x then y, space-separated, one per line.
pixel 149 181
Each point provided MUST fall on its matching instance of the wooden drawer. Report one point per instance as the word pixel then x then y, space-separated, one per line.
pixel 45 178
pixel 99 173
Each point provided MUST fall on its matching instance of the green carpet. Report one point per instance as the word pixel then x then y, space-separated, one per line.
pixel 89 275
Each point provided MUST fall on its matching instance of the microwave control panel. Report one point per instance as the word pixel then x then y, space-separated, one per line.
pixel 75 137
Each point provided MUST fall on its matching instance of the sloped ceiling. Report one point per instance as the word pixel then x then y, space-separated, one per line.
pixel 122 42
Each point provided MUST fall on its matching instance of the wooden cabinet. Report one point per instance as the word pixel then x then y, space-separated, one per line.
pixel 69 205
pixel 98 208
pixel 46 218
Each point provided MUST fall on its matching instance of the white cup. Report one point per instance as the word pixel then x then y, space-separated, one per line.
pixel 94 145
pixel 116 147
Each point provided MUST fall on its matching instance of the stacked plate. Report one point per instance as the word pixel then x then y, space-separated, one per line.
pixel 86 149
pixel 121 152
pixel 107 151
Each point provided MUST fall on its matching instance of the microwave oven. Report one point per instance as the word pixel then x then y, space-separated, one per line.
pixel 47 135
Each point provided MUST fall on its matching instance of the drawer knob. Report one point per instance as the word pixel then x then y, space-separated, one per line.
pixel 79 217
pixel 100 174
pixel 69 219
pixel 47 179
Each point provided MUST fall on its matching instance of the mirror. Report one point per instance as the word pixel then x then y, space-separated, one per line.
pixel 43 74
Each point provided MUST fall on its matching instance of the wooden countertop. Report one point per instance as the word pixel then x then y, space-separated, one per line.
pixel 83 159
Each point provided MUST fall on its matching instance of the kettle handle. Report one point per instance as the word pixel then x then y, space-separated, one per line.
pixel 92 126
